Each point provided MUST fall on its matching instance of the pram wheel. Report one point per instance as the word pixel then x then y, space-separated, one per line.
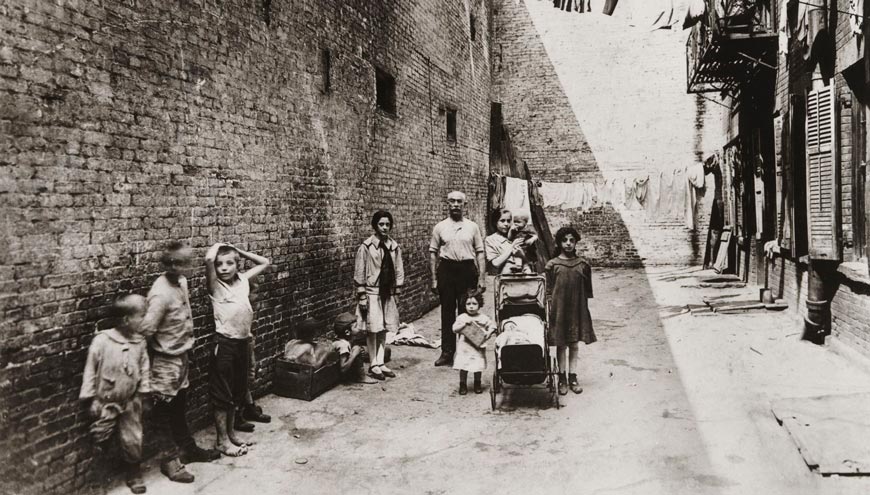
pixel 496 384
pixel 492 397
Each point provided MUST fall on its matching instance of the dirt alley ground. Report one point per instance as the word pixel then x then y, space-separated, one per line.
pixel 672 404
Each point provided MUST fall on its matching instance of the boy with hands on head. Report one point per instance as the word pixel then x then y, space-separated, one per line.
pixel 229 291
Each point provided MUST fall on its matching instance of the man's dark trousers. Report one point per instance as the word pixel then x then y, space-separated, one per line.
pixel 455 279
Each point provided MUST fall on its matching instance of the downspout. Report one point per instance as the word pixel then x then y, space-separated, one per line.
pixel 817 322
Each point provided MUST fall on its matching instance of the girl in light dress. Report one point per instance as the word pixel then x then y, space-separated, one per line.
pixel 468 357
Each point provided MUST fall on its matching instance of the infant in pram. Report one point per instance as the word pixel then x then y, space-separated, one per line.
pixel 519 330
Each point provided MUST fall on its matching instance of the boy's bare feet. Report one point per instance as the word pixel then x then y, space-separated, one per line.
pixel 239 442
pixel 231 450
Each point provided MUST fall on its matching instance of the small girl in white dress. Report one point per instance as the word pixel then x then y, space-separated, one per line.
pixel 468 357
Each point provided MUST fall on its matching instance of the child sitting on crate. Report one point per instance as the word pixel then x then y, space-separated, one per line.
pixel 521 262
pixel 307 351
pixel 473 329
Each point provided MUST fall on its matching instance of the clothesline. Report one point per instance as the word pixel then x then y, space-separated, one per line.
pixel 668 194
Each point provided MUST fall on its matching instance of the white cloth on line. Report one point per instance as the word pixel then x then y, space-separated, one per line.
pixel 516 196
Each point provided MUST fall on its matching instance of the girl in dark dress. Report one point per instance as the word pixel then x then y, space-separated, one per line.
pixel 569 286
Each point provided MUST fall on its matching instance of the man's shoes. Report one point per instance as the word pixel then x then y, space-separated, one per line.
pixel 239 424
pixel 175 471
pixel 195 453
pixel 134 479
pixel 388 372
pixel 444 360
pixel 253 412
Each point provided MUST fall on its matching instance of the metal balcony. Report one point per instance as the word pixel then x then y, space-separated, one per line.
pixel 735 40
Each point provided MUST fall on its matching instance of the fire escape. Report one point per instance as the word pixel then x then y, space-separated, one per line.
pixel 733 42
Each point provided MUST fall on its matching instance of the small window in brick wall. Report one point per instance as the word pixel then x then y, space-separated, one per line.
pixel 451 125
pixel 472 21
pixel 266 11
pixel 326 70
pixel 385 88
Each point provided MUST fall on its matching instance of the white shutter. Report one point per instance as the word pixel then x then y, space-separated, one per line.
pixel 822 175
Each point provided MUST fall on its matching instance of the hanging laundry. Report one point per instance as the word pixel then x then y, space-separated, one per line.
pixel 641 187
pixel 856 16
pixel 652 196
pixel 782 29
pixel 516 195
pixel 553 193
pixel 694 13
pixel 496 186
pixel 628 190
pixel 694 183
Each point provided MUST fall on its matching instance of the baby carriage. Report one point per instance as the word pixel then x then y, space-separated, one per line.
pixel 522 353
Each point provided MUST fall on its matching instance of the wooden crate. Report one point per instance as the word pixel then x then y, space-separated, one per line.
pixel 299 381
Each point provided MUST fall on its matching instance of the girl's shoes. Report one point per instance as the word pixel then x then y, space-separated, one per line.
pixel 574 384
pixel 387 372
pixel 463 388
pixel 563 384
pixel 477 388
pixel 376 373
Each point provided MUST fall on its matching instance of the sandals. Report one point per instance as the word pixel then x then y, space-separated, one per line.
pixel 236 451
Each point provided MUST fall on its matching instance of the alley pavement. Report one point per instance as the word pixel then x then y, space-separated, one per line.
pixel 672 404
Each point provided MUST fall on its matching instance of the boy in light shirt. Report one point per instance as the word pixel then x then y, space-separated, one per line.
pixel 115 378
pixel 229 291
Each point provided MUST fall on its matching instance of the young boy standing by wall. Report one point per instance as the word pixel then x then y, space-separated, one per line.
pixel 115 378
pixel 168 324
pixel 229 291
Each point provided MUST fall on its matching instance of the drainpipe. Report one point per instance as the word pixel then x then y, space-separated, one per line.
pixel 817 322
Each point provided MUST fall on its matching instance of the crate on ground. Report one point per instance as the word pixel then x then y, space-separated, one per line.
pixel 300 381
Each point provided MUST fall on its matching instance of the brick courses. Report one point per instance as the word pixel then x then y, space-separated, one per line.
pixel 849 294
pixel 126 124
pixel 569 85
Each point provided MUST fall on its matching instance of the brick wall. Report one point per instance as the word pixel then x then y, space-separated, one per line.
pixel 849 294
pixel 576 112
pixel 130 123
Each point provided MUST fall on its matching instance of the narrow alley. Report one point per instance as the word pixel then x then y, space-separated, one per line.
pixel 672 404
pixel 210 206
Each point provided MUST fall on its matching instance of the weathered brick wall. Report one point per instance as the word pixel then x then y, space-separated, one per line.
pixel 569 85
pixel 850 295
pixel 126 124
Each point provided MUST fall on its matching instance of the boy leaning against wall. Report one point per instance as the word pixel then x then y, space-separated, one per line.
pixel 116 376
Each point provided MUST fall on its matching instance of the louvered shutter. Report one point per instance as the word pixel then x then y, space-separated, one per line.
pixel 822 175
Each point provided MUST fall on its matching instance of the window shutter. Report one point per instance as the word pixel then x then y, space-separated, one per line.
pixel 822 175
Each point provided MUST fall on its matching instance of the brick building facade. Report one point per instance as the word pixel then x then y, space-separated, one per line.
pixel 575 111
pixel 817 210
pixel 279 126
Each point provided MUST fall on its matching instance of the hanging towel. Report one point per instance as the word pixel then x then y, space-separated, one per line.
pixel 783 31
pixel 652 196
pixel 553 194
pixel 694 183
pixel 640 190
pixel 516 196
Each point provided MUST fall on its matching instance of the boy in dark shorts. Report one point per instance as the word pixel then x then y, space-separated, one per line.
pixel 229 291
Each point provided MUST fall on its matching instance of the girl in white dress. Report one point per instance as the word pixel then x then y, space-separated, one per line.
pixel 468 357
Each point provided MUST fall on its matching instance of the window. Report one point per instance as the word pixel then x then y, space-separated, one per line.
pixel 326 70
pixel 266 11
pixel 385 88
pixel 451 125
pixel 821 180
pixel 472 21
